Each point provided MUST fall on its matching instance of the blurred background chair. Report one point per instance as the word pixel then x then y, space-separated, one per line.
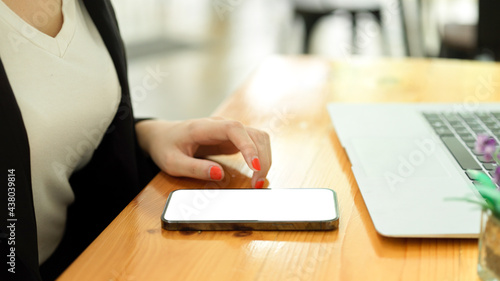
pixel 474 35
pixel 311 11
pixel 200 51
pixel 488 36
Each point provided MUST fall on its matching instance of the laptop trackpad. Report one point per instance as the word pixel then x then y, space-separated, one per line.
pixel 400 158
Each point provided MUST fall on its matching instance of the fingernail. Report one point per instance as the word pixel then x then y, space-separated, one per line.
pixel 215 173
pixel 259 184
pixel 256 164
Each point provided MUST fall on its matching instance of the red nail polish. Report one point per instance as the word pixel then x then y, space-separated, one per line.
pixel 259 184
pixel 215 173
pixel 256 164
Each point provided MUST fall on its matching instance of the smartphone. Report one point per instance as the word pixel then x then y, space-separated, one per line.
pixel 251 209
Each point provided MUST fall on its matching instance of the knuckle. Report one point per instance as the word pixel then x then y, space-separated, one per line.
pixel 234 125
pixel 195 126
pixel 262 137
pixel 267 136
pixel 192 125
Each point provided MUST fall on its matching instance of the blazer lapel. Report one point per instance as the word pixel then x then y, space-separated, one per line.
pixel 15 159
pixel 104 18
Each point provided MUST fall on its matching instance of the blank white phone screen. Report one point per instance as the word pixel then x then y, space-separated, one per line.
pixel 300 204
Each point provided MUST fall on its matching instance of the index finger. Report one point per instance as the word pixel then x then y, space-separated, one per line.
pixel 211 131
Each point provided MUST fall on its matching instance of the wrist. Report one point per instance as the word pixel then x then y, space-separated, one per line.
pixel 147 130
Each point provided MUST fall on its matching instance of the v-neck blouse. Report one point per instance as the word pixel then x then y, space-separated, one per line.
pixel 55 45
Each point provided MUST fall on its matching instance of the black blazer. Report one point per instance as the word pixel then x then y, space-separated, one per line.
pixel 116 173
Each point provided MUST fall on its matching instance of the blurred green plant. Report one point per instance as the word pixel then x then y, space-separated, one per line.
pixel 488 187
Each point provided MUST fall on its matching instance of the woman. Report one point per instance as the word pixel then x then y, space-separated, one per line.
pixel 72 152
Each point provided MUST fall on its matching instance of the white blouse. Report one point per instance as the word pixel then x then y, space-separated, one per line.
pixel 68 92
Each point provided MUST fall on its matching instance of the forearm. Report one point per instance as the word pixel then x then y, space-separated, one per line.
pixel 147 130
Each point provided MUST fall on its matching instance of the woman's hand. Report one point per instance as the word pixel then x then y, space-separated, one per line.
pixel 175 146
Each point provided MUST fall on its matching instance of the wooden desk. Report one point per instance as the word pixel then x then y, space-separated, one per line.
pixel 287 98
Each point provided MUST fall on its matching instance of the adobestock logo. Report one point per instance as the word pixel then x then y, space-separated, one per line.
pixel 41 18
pixel 149 83
pixel 222 7
pixel 407 165
pixel 201 201
pixel 485 88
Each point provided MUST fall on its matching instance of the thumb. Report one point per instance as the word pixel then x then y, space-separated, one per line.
pixel 185 166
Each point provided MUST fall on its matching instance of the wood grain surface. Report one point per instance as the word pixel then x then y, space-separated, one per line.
pixel 286 97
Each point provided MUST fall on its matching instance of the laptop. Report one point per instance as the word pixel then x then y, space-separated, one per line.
pixel 410 163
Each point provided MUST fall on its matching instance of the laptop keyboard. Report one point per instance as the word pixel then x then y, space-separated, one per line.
pixel 459 131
